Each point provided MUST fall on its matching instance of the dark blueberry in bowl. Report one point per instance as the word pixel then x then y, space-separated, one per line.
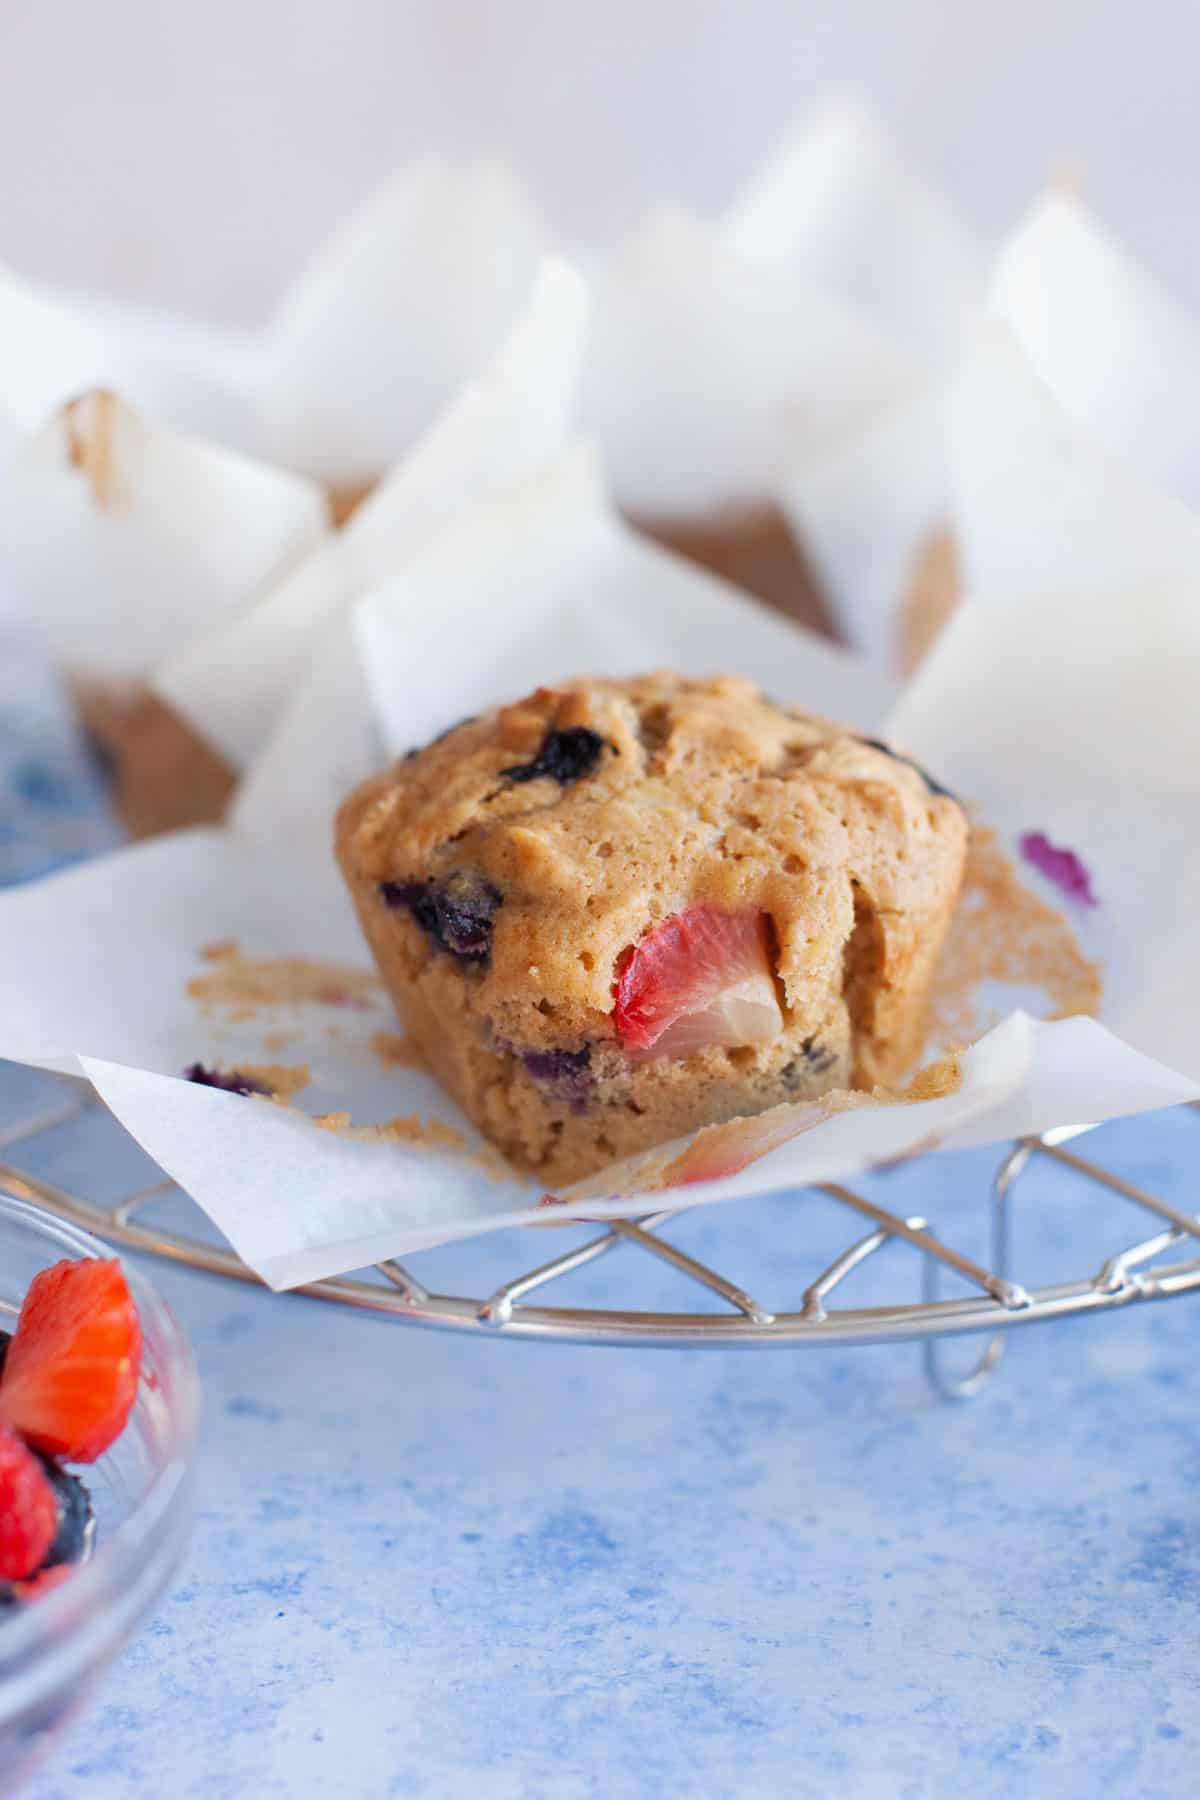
pixel 72 1542
pixel 935 787
pixel 564 755
pixel 456 913
pixel 76 1521
pixel 230 1081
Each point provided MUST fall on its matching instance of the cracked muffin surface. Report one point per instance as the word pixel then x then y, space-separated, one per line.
pixel 619 910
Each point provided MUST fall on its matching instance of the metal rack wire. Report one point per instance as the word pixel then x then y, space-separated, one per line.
pixel 514 1309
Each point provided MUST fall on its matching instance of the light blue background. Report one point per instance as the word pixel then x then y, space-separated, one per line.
pixel 434 1566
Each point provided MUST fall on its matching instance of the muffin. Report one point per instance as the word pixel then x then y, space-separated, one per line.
pixel 620 910
pixel 162 775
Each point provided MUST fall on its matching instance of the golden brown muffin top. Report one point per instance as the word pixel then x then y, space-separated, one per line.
pixel 584 814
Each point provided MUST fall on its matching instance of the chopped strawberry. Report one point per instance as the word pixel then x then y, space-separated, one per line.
pixel 28 1509
pixel 700 979
pixel 71 1373
pixel 720 1151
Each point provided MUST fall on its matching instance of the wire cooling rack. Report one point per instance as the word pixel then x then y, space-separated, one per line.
pixel 992 1303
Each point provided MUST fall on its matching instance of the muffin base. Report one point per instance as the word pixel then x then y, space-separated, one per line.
pixel 162 774
pixel 933 593
pixel 564 1129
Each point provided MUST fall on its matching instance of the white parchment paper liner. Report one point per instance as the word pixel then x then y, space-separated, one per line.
pixel 232 685
pixel 1109 343
pixel 709 369
pixel 371 345
pixel 1037 502
pixel 142 554
pixel 542 581
pixel 404 306
pixel 123 539
pixel 835 207
pixel 838 204
pixel 1117 370
pixel 720 351
pixel 728 352
pixel 55 346
pixel 864 510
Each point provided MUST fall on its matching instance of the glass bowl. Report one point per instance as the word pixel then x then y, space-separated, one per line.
pixel 54 1649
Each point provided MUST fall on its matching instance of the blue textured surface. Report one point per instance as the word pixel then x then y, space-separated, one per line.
pixel 51 802
pixel 432 1566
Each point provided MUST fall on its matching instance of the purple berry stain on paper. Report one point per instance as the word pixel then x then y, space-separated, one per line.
pixel 1067 871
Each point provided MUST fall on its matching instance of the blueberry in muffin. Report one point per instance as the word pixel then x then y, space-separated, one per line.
pixel 620 910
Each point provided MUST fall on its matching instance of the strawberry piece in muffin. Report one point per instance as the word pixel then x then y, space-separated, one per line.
pixel 698 980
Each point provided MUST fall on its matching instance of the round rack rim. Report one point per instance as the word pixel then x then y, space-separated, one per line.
pixel 997 1305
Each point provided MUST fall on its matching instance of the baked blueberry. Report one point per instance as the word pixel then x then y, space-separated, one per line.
pixel 456 913
pixel 565 1075
pixel 564 755
pixel 230 1081
pixel 815 1059
pixel 558 1065
pixel 935 787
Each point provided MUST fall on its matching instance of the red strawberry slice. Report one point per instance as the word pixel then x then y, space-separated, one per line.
pixel 721 1151
pixel 71 1373
pixel 28 1509
pixel 700 979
